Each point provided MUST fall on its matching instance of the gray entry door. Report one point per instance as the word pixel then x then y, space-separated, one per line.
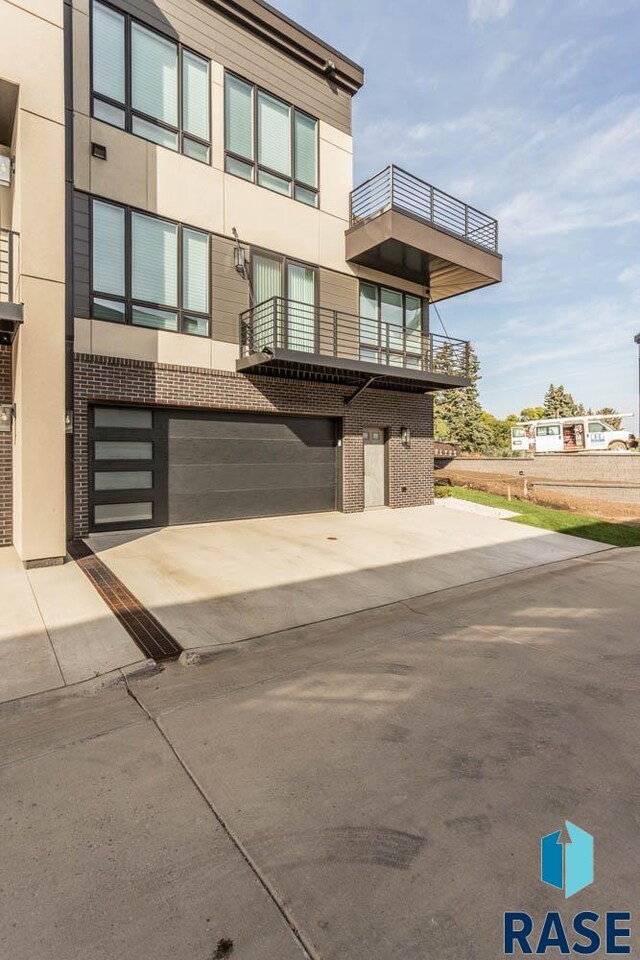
pixel 224 466
pixel 374 467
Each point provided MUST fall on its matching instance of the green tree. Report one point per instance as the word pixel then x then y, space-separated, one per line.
pixel 458 413
pixel 531 413
pixel 610 414
pixel 559 403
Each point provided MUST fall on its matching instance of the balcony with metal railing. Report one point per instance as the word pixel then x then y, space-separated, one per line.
pixel 10 305
pixel 403 226
pixel 287 338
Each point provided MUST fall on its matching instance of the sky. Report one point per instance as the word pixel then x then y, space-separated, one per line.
pixel 529 111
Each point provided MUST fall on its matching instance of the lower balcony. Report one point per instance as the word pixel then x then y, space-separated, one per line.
pixel 10 306
pixel 285 338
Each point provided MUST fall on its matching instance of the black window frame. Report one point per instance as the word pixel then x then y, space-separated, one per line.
pixel 127 300
pixel 129 112
pixel 386 349
pixel 254 163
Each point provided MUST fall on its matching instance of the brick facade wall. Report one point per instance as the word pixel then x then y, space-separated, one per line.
pixel 115 379
pixel 6 454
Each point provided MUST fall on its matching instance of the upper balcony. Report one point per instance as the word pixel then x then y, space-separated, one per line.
pixel 10 306
pixel 405 227
pixel 285 338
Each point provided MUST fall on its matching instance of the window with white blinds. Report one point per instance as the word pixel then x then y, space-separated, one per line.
pixel 148 271
pixel 149 85
pixel 154 260
pixel 284 294
pixel 270 142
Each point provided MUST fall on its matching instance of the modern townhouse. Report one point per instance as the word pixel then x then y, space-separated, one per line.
pixel 201 318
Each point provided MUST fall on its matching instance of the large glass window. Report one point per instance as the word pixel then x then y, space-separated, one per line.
pixel 270 142
pixel 285 294
pixel 392 326
pixel 148 271
pixel 147 84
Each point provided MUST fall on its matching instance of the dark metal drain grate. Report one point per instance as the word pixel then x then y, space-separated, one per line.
pixel 144 629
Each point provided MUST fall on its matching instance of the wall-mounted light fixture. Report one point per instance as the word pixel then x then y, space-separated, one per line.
pixel 99 151
pixel 240 260
pixel 7 411
pixel 405 436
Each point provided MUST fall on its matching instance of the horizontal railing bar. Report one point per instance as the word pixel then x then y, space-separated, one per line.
pixel 315 330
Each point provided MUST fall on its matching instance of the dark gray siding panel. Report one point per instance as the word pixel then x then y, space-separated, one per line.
pixel 230 291
pixel 81 253
pixel 226 465
pixel 209 32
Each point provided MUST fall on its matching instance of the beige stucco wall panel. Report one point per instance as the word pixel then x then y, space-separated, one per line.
pixel 158 346
pixel 337 137
pixel 34 56
pixel 184 350
pixel 41 159
pixel 82 335
pixel 268 220
pixel 336 178
pixel 39 481
pixel 331 247
pixel 51 10
pixel 224 355
pixel 185 190
pixel 115 340
pixel 123 176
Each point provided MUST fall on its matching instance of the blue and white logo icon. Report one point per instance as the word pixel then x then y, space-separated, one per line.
pixel 567 864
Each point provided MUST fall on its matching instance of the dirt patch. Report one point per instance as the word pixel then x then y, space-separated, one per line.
pixel 526 488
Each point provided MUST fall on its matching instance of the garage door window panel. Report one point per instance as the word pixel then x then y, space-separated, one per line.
pixel 127 463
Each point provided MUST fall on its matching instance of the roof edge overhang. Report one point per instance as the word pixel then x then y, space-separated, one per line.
pixel 276 28
pixel 401 245
pixel 294 364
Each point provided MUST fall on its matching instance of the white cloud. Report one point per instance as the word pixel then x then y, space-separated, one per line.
pixel 489 9
pixel 630 276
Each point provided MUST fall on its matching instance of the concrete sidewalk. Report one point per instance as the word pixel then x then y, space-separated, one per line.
pixel 370 787
pixel 54 629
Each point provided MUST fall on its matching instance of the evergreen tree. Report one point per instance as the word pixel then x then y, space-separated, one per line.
pixel 458 413
pixel 610 414
pixel 559 403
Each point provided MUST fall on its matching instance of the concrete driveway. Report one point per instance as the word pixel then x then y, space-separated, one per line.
pixel 218 583
pixel 367 788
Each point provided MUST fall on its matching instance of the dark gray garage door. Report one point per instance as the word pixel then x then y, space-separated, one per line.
pixel 156 467
pixel 227 465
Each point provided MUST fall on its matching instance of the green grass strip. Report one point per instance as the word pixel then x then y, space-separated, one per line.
pixel 560 521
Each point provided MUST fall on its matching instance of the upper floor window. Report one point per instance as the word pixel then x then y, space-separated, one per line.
pixel 148 271
pixel 269 142
pixel 149 85
pixel 391 326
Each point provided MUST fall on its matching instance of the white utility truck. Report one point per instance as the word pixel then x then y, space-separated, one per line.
pixel 571 434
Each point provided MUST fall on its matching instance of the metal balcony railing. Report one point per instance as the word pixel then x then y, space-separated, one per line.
pixel 290 325
pixel 395 189
pixel 9 273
